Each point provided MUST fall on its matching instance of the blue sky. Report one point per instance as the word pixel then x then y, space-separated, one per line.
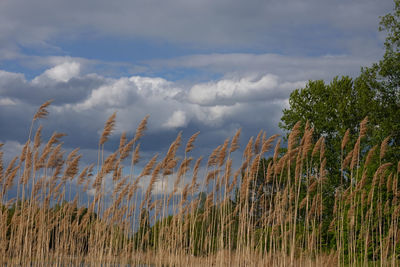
pixel 209 66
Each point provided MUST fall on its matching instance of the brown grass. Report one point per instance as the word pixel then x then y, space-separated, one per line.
pixel 272 213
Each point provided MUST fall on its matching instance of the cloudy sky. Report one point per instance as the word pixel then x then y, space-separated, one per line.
pixel 204 65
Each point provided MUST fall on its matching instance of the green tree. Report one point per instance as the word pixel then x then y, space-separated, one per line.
pixel 333 108
pixel 384 78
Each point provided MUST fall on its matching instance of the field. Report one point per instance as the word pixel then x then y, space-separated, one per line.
pixel 277 208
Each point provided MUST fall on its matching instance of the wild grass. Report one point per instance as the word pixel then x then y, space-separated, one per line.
pixel 279 211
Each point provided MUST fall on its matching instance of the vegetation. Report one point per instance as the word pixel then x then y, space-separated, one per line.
pixel 334 108
pixel 266 212
pixel 330 197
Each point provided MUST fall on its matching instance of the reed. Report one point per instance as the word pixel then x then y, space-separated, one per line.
pixel 269 210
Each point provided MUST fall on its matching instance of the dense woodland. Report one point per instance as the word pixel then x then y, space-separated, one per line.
pixel 327 193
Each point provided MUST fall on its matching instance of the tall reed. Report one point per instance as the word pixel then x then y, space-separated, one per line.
pixel 269 210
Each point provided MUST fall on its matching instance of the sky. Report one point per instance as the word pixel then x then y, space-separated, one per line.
pixel 204 65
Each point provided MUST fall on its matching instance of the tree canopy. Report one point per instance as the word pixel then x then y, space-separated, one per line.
pixel 332 108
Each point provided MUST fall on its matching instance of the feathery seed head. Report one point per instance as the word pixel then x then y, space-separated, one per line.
pixel 42 111
pixel 190 143
pixel 363 127
pixel 347 159
pixel 293 136
pixel 267 144
pixel 222 153
pixel 126 149
pixel 195 174
pixel 370 154
pixel 345 139
pixel 257 143
pixel 384 146
pixel 37 137
pixel 141 128
pixel 276 151
pixel 122 142
pixel 136 156
pixel 213 158
pixel 317 146
pixel 235 141
pixel 356 151
pixel 149 166
pixel 248 151
pixel 108 128
pixel 184 167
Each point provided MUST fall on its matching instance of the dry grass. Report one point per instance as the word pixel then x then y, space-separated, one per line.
pixel 265 213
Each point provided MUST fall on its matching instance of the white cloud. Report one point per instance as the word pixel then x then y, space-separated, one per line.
pixel 249 99
pixel 166 185
pixel 127 91
pixel 149 87
pixel 232 91
pixel 116 93
pixel 170 104
pixel 60 73
pixel 177 119
pixel 215 115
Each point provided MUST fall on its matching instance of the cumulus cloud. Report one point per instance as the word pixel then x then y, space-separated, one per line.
pixel 60 73
pixel 216 115
pixel 62 82
pixel 84 101
pixel 232 91
pixel 126 91
pixel 117 93
pixel 177 119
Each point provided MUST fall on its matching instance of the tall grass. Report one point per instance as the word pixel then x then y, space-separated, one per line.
pixel 265 213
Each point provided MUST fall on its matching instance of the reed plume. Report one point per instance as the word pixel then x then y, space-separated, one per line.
pixel 345 139
pixel 42 111
pixel 190 143
pixel 384 146
pixel 108 128
pixel 284 209
pixel 141 128
pixel 235 141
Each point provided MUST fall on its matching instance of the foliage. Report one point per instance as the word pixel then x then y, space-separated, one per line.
pixel 330 198
pixel 333 108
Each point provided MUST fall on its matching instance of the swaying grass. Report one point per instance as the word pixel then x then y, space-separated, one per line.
pixel 273 212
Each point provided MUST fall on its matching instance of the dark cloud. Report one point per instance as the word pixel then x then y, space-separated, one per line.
pixel 289 68
pixel 303 26
pixel 15 86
